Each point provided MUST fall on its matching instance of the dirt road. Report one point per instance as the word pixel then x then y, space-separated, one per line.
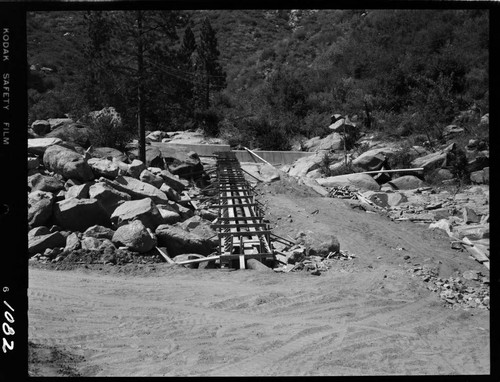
pixel 365 316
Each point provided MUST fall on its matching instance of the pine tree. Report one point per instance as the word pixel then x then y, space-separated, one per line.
pixel 188 43
pixel 99 30
pixel 209 68
pixel 140 78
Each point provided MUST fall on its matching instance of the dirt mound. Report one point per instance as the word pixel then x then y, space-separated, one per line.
pixel 287 185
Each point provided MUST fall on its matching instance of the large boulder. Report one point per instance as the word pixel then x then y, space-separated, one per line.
pixel 478 163
pixel 332 141
pixel 153 156
pixel 103 167
pixel 269 173
pixel 306 164
pixel 147 176
pixel 39 207
pixel 39 182
pixel 406 182
pixel 72 132
pixel 135 236
pixel 137 189
pixel 108 197
pixel 39 243
pixel 434 160
pixel 122 166
pixel 80 191
pixel 371 160
pixel 356 180
pixel 72 242
pixel 169 214
pixel 99 232
pixel 90 243
pixel 108 153
pixel 144 210
pixel 318 244
pixel 136 168
pixel 39 145
pixel 184 212
pixel 189 167
pixel 385 199
pixel 40 127
pixel 481 176
pixel 56 122
pixel 174 181
pixel 170 192
pixel 67 162
pixel 79 214
pixel 178 241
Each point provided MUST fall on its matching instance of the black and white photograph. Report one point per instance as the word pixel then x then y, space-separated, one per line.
pixel 246 192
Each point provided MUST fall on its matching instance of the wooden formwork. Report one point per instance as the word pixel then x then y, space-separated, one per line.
pixel 242 232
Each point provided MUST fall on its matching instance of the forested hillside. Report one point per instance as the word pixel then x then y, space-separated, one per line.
pixel 263 78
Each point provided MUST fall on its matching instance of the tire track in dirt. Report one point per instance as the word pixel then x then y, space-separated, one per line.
pixel 248 323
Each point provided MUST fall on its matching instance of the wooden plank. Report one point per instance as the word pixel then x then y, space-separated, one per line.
pixel 236 225
pixel 255 155
pixel 244 233
pixel 242 218
pixel 258 180
pixel 248 256
pixel 165 256
pixel 234 205
pixel 237 197
pixel 194 261
pixel 282 238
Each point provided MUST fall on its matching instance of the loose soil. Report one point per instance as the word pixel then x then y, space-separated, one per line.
pixel 365 316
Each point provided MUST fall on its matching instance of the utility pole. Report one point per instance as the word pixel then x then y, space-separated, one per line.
pixel 140 104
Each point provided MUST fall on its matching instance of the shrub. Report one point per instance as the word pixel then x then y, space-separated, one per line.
pixel 401 158
pixel 457 164
pixel 315 124
pixel 106 128
pixel 208 121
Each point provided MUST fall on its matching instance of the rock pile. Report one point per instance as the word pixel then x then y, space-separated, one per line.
pixel 99 202
pixel 468 290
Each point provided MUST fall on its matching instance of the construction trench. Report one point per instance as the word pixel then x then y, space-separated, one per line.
pixel 243 231
pixel 240 224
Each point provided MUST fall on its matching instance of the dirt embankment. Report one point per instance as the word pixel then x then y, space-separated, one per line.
pixel 369 315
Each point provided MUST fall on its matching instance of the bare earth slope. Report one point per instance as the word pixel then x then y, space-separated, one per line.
pixel 366 316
